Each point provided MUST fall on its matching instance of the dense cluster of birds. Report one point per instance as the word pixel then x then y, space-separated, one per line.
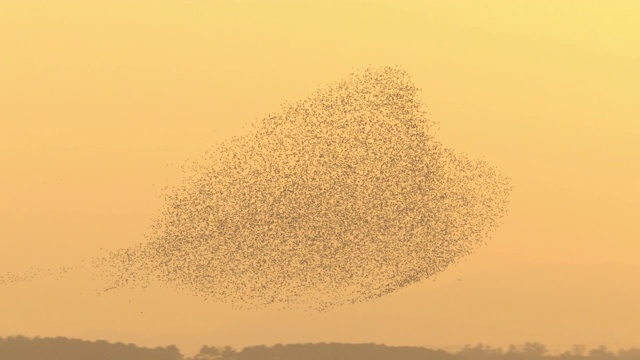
pixel 340 198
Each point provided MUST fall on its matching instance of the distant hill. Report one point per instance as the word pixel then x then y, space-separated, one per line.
pixel 23 348
pixel 323 351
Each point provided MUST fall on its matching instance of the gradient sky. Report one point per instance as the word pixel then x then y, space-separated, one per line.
pixel 102 101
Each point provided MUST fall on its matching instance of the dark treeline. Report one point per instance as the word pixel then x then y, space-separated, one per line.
pixel 534 350
pixel 23 348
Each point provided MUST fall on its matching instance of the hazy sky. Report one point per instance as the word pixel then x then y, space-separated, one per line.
pixel 102 101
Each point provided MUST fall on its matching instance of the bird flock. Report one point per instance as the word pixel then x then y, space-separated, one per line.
pixel 339 198
pixel 35 273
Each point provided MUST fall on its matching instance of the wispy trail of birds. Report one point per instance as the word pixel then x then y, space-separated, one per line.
pixel 36 273
pixel 339 198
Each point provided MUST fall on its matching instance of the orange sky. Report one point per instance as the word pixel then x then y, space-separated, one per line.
pixel 101 102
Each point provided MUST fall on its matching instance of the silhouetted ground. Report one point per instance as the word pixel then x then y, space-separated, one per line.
pixel 324 351
pixel 23 348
